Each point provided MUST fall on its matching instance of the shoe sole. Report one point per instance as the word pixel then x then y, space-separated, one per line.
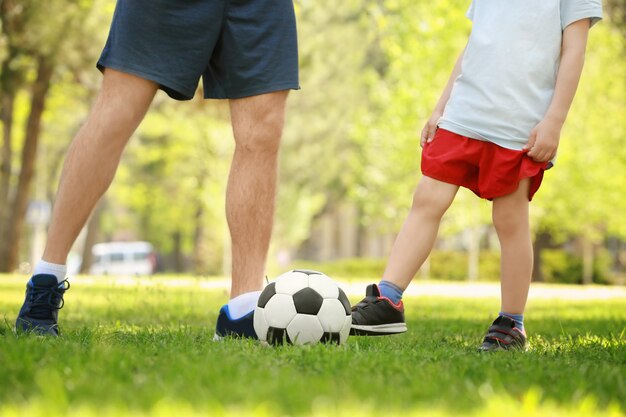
pixel 377 330
pixel 217 337
pixel 25 327
pixel 525 348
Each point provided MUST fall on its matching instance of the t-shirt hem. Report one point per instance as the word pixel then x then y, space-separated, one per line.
pixel 472 134
pixel 594 16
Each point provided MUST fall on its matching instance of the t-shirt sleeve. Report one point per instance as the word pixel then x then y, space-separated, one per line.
pixel 470 11
pixel 575 10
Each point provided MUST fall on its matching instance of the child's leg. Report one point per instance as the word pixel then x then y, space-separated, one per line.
pixel 419 231
pixel 510 218
pixel 381 312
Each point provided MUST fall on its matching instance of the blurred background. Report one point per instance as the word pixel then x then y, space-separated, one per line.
pixel 371 72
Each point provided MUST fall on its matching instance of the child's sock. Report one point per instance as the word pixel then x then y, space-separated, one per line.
pixel 43 267
pixel 517 318
pixel 391 291
pixel 243 304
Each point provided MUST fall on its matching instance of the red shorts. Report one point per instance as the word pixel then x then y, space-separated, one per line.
pixel 487 169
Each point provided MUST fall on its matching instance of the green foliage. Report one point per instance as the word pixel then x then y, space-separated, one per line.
pixel 146 349
pixel 371 73
pixel 558 265
pixel 172 183
pixel 582 195
pixel 452 265
pixel 319 159
pixel 444 265
pixel 362 268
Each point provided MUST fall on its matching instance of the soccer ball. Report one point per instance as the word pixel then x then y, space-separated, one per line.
pixel 302 307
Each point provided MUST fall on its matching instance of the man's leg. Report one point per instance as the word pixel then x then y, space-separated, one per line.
pixel 94 155
pixel 250 197
pixel 89 168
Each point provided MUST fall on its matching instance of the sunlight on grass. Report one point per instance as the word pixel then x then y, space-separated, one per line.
pixel 529 406
pixel 147 349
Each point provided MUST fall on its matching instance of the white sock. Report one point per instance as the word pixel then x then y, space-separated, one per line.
pixel 243 304
pixel 57 270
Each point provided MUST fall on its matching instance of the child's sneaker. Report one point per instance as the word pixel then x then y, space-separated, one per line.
pixel 239 328
pixel 503 335
pixel 376 315
pixel 40 312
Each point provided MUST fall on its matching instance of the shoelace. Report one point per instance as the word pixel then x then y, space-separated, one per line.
pixel 44 300
pixel 498 334
pixel 365 303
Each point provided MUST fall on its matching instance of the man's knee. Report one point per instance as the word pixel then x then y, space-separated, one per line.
pixel 258 127
pixel 122 102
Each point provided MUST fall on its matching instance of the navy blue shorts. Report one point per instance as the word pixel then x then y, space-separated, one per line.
pixel 240 48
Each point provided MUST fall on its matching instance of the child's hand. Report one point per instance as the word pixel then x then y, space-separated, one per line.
pixel 428 132
pixel 544 140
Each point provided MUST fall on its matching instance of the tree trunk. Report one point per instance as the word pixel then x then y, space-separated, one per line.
pixel 199 254
pixel 588 257
pixel 93 231
pixel 7 92
pixel 19 204
pixel 473 254
pixel 177 238
pixel 424 271
pixel 6 115
pixel 542 241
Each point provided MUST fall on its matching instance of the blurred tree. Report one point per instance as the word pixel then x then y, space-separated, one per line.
pixel 37 40
pixel 171 183
pixel 582 197
pixel 371 71
pixel 182 151
pixel 617 11
pixel 420 41
pixel 319 157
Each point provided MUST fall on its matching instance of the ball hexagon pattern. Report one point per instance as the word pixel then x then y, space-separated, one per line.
pixel 305 329
pixel 279 311
pixel 302 307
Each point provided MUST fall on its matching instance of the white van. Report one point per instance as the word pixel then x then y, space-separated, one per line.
pixel 123 258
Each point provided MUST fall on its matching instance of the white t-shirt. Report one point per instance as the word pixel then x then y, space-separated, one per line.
pixel 509 69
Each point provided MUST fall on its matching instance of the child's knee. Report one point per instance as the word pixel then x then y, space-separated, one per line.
pixel 427 200
pixel 509 221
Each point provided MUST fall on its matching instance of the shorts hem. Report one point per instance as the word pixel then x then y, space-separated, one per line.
pixel 177 92
pixel 255 91
pixel 449 180
pixel 535 184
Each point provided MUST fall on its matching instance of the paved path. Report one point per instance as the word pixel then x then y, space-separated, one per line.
pixel 416 289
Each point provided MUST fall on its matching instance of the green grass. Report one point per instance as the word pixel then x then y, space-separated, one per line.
pixel 147 350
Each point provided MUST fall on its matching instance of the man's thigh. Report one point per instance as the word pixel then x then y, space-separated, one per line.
pixel 257 52
pixel 169 42
pixel 262 115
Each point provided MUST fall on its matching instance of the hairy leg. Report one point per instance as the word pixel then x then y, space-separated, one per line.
pixel 510 218
pixel 250 197
pixel 94 155
pixel 419 231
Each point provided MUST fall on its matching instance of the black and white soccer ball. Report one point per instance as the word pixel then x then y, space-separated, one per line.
pixel 302 307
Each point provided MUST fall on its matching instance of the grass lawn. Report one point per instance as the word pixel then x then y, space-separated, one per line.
pixel 148 350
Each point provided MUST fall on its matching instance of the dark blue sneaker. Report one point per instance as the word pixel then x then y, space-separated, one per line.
pixel 44 299
pixel 240 328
